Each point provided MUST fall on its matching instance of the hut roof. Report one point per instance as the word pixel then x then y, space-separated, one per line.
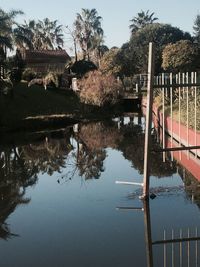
pixel 45 56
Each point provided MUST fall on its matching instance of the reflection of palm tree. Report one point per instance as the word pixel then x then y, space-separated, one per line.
pixel 90 162
pixel 14 178
pixel 49 156
pixel 92 139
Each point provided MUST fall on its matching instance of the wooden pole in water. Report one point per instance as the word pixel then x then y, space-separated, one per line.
pixel 147 145
pixel 148 238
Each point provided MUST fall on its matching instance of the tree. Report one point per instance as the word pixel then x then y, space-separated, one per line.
pixel 180 56
pixel 196 29
pixel 141 20
pixel 88 31
pixel 109 62
pixel 6 28
pixel 72 33
pixel 161 35
pixel 38 35
pixel 50 33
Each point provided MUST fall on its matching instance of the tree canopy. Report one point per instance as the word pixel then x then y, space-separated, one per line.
pixel 161 35
pixel 181 56
pixel 196 29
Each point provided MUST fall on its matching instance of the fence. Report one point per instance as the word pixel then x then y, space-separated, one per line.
pixel 179 99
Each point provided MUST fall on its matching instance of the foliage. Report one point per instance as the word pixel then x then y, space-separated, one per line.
pixel 161 35
pixel 181 56
pixel 52 78
pixel 141 20
pixel 28 74
pixel 98 89
pixel 81 67
pixel 109 63
pixel 6 27
pixel 196 29
pixel 88 31
pixel 38 35
pixel 126 57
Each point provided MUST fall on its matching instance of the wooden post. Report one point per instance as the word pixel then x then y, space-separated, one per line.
pixel 147 145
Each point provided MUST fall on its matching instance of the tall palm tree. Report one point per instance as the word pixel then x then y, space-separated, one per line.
pixel 141 20
pixel 6 30
pixel 6 24
pixel 51 33
pixel 39 35
pixel 24 35
pixel 88 30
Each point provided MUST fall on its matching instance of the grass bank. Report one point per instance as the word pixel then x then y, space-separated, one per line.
pixel 33 107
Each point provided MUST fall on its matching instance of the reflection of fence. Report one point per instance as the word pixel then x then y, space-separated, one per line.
pixel 180 248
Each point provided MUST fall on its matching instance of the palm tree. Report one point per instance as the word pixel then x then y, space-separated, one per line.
pixel 141 20
pixel 39 35
pixel 88 31
pixel 6 24
pixel 51 34
pixel 6 30
pixel 24 35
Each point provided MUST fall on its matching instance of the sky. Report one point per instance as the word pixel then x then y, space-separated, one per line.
pixel 116 14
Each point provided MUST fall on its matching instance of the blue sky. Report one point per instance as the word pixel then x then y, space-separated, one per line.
pixel 116 14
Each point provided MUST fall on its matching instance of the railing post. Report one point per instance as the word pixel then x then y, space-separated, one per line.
pixel 147 145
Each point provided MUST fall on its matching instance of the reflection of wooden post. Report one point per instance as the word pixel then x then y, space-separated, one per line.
pixel 148 120
pixel 148 239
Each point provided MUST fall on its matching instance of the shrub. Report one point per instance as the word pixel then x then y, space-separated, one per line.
pixel 52 78
pixel 98 89
pixel 81 67
pixel 28 75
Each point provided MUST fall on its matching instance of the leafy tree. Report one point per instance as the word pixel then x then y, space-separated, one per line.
pixel 180 56
pixel 141 20
pixel 161 35
pixel 196 28
pixel 109 63
pixel 88 30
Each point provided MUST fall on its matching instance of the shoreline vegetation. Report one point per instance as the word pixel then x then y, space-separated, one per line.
pixel 33 108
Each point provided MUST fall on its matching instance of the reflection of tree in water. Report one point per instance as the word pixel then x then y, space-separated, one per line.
pixel 92 140
pixel 132 147
pixel 19 168
pixel 192 185
pixel 14 178
pixel 48 156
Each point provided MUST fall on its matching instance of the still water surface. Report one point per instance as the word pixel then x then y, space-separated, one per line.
pixel 58 201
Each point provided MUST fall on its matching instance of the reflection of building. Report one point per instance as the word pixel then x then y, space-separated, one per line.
pixel 44 61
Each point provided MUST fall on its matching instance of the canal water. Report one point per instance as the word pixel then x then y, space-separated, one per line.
pixel 60 204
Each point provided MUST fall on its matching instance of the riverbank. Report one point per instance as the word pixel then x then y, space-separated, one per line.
pixel 36 108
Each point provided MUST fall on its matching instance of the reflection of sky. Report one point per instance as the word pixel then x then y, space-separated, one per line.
pixel 77 224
